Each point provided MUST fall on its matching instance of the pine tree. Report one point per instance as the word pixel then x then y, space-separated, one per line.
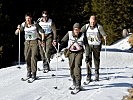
pixel 113 15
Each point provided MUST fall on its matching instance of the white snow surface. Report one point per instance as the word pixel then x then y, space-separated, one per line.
pixel 116 64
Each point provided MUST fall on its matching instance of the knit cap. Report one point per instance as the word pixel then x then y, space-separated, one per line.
pixel 76 25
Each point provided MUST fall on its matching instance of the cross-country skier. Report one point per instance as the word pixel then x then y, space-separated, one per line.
pixel 31 32
pixel 50 38
pixel 94 32
pixel 77 41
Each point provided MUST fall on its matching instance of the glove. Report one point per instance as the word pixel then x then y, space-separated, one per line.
pixel 54 43
pixel 18 27
pixel 42 43
pixel 87 59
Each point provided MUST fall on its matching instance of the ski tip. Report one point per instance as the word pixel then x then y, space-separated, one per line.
pixel 55 87
pixel 107 78
pixel 45 71
pixel 73 93
pixel 39 69
pixel 62 60
pixel 29 81
pixel 19 67
pixel 70 79
pixel 32 80
pixel 86 83
pixel 22 79
pixel 53 75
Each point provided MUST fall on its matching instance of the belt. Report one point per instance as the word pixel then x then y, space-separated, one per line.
pixel 31 41
pixel 48 34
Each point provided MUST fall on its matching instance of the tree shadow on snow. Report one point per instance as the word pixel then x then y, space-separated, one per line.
pixel 100 86
pixel 118 85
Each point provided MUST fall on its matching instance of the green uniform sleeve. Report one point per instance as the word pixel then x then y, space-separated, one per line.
pixel 83 29
pixel 101 31
pixel 65 39
pixel 53 27
pixel 86 45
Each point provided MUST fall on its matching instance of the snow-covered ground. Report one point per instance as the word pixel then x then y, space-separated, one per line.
pixel 116 64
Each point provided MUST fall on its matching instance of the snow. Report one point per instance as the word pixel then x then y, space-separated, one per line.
pixel 116 64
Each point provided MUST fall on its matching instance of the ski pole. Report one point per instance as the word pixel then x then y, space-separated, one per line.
pixel 19 52
pixel 106 58
pixel 57 49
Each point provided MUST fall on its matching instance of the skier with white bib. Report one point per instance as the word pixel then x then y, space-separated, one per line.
pixel 50 38
pixel 77 41
pixel 31 33
pixel 94 33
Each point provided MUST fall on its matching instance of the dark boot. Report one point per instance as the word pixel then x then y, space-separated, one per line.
pixel 48 67
pixel 45 67
pixel 78 84
pixel 73 86
pixel 96 75
pixel 76 90
pixel 34 75
pixel 29 75
pixel 88 78
pixel 44 64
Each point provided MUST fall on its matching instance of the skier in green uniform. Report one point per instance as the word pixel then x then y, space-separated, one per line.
pixel 31 32
pixel 77 41
pixel 94 33
pixel 50 38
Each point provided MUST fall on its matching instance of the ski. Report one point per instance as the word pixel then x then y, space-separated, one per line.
pixel 70 79
pixel 62 60
pixel 31 80
pixel 86 82
pixel 53 75
pixel 45 71
pixel 75 92
pixel 19 67
pixel 39 69
pixel 72 87
pixel 24 79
